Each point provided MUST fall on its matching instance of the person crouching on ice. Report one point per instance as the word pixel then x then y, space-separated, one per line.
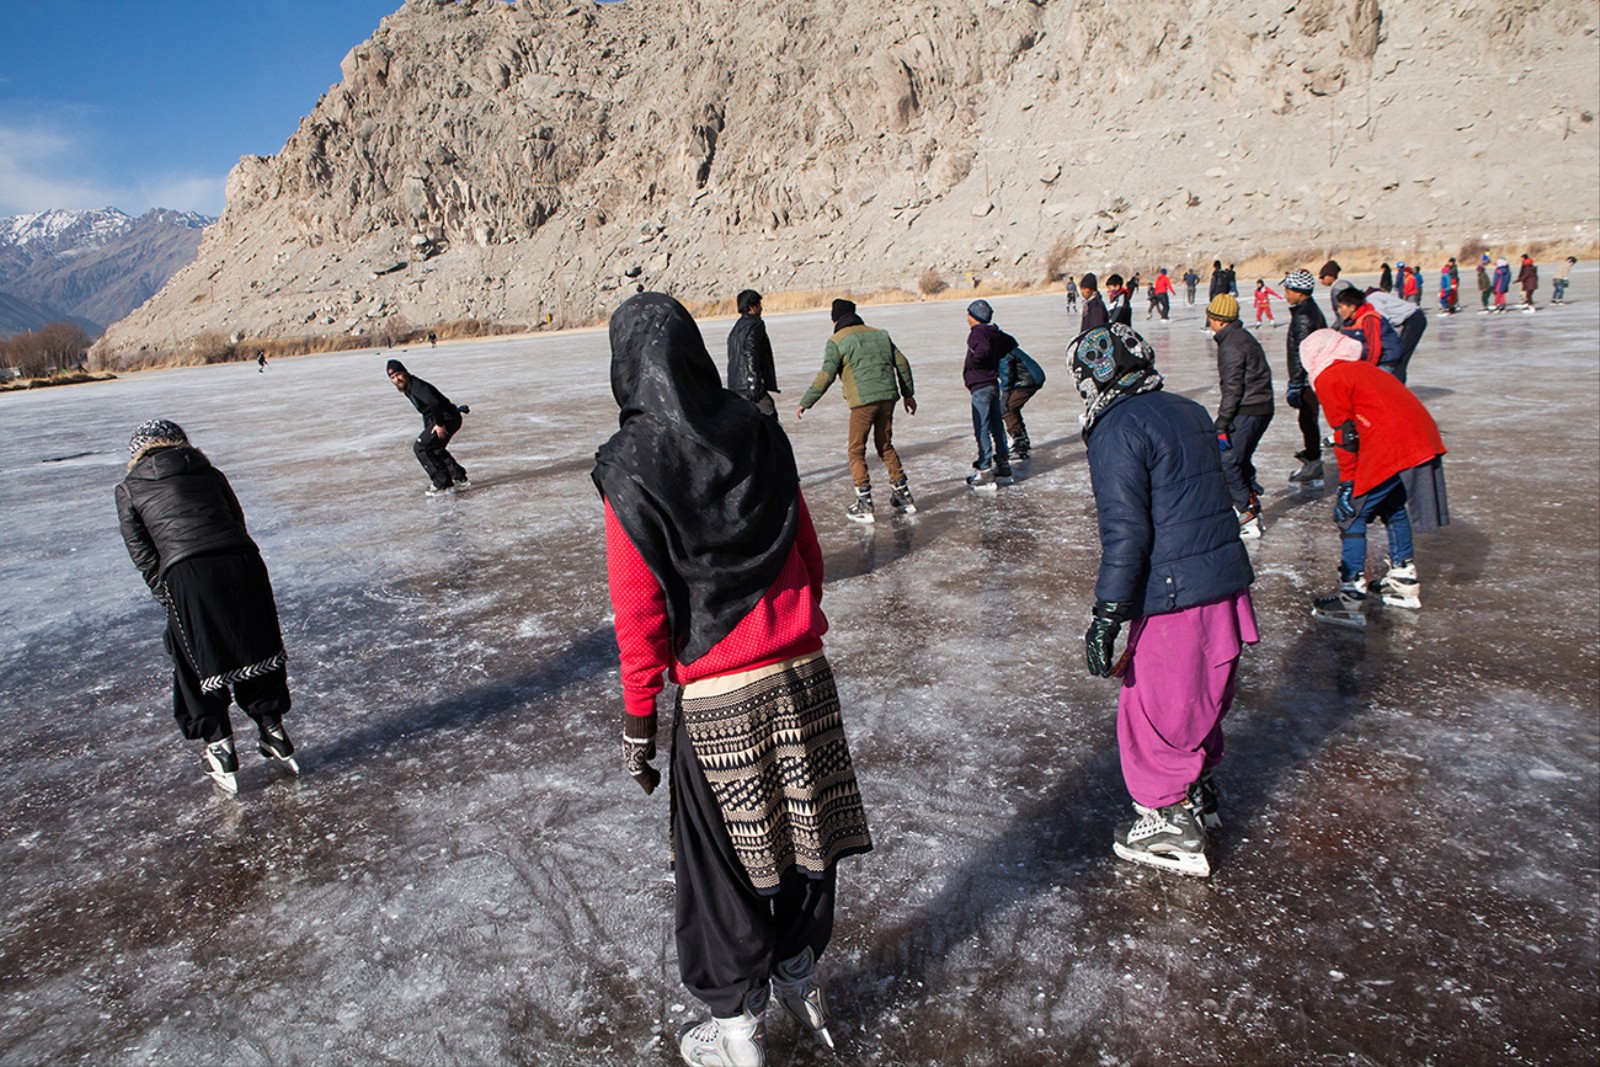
pixel 716 580
pixel 186 534
pixel 1173 566
pixel 1388 449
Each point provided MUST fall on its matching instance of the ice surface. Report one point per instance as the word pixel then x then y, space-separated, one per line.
pixel 1408 867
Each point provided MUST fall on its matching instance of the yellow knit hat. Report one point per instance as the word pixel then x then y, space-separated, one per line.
pixel 1223 308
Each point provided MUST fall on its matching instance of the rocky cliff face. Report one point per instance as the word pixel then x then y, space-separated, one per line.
pixel 532 161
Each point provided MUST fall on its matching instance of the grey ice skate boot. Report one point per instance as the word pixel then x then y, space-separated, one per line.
pixel 900 497
pixel 1171 838
pixel 275 744
pixel 795 985
pixel 1399 587
pixel 222 764
pixel 1345 606
pixel 739 1041
pixel 1309 475
pixel 861 509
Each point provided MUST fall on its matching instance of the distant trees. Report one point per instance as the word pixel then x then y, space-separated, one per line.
pixel 56 347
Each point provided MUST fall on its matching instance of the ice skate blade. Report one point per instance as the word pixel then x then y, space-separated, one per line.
pixel 985 487
pixel 1193 864
pixel 1409 603
pixel 1348 622
pixel 909 509
pixel 863 520
pixel 225 783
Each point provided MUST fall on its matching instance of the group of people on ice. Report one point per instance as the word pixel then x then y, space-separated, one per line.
pixel 715 575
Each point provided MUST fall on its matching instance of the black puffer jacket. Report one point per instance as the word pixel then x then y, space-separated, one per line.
pixel 174 504
pixel 1305 319
pixel 1169 539
pixel 750 369
pixel 1246 379
pixel 435 406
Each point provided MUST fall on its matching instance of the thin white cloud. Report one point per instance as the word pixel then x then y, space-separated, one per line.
pixel 41 168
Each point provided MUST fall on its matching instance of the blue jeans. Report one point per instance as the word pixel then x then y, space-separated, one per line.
pixel 1387 501
pixel 988 426
pixel 1561 289
pixel 1238 462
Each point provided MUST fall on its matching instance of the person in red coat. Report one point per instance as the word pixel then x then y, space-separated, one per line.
pixel 716 581
pixel 1528 281
pixel 1388 449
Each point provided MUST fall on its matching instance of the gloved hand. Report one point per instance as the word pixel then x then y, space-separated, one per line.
pixel 1099 643
pixel 1344 505
pixel 639 748
pixel 1224 443
pixel 1294 395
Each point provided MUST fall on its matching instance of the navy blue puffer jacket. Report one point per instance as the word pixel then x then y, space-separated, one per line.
pixel 1169 539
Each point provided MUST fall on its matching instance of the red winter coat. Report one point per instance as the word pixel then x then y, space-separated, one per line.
pixel 1395 432
pixel 1528 276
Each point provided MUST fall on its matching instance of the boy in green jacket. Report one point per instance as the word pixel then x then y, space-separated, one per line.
pixel 876 374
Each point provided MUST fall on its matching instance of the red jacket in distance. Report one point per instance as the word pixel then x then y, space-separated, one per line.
pixel 786 622
pixel 1395 432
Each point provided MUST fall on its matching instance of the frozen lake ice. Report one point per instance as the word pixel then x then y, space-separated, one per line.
pixel 1408 871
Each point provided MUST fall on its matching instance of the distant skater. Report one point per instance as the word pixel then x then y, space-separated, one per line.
pixel 876 375
pixel 261 361
pixel 1558 294
pixel 441 421
pixel 1502 283
pixel 716 583
pixel 1094 308
pixel 1485 286
pixel 1244 410
pixel 1264 296
pixel 1527 281
pixel 1190 280
pixel 980 373
pixel 1021 378
pixel 750 370
pixel 1161 288
pixel 185 531
pixel 1305 319
pixel 1072 294
pixel 1173 569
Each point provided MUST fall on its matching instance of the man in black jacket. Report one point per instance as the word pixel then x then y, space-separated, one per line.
pixel 1245 408
pixel 440 421
pixel 750 370
pixel 1305 318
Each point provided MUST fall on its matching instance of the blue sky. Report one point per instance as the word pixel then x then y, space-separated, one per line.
pixel 137 104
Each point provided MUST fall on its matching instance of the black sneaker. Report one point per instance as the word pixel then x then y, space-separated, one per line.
pixel 1171 838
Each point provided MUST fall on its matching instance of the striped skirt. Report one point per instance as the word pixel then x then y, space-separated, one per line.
pixel 770 744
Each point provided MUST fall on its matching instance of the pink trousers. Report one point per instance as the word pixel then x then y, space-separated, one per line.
pixel 1176 688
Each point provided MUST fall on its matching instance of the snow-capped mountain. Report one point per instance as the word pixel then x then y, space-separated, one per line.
pixel 89 267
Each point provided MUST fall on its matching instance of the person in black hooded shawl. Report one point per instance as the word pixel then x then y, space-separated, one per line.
pixel 716 579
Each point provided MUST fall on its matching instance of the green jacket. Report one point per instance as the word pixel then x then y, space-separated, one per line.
pixel 874 370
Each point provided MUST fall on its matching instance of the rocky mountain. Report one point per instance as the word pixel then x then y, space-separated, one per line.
pixel 533 161
pixel 88 267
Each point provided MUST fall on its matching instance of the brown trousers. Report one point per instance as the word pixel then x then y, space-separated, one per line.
pixel 879 419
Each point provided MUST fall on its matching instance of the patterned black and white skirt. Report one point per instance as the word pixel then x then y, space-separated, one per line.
pixel 770 745
pixel 223 616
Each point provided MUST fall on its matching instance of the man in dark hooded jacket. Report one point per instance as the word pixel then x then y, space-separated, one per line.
pixel 1245 408
pixel 440 421
pixel 750 370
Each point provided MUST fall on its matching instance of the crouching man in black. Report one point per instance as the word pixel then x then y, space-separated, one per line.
pixel 440 421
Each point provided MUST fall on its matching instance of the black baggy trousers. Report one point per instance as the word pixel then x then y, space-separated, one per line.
pixel 730 937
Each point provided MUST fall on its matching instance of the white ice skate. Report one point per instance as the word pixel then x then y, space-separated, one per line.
pixel 222 764
pixel 1399 587
pixel 1171 838
pixel 1345 606
pixel 738 1041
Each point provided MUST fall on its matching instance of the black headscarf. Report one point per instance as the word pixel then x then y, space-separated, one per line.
pixel 1110 363
pixel 703 484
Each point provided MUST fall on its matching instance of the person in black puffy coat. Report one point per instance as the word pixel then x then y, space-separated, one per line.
pixel 1172 566
pixel 750 369
pixel 185 531
pixel 441 420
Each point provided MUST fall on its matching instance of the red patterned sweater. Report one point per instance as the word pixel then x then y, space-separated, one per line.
pixel 786 622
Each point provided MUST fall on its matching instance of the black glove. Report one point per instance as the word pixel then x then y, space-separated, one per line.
pixel 1344 505
pixel 639 748
pixel 1100 642
pixel 1294 396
